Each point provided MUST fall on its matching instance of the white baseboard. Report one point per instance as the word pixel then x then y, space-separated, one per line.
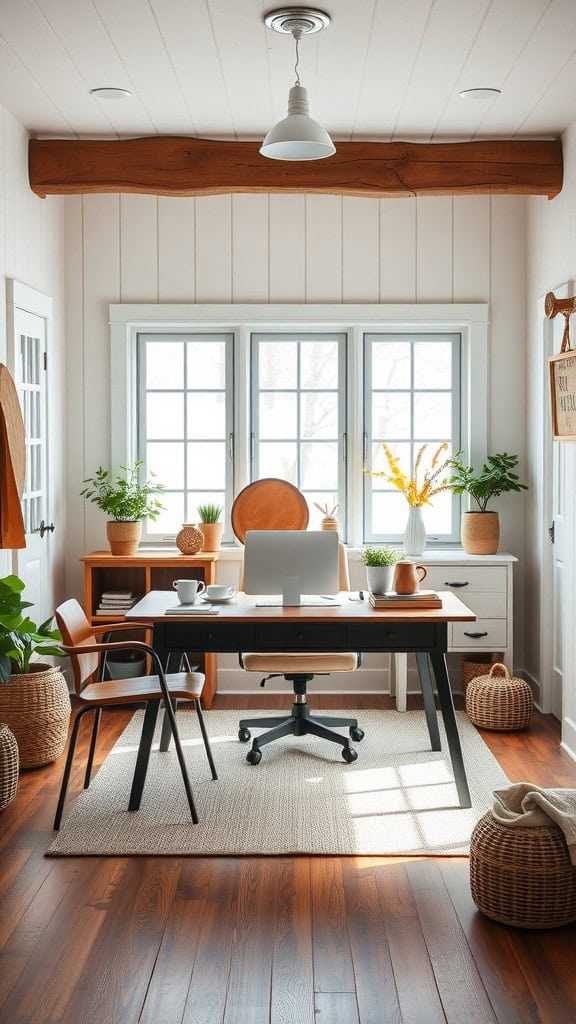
pixel 234 680
pixel 568 742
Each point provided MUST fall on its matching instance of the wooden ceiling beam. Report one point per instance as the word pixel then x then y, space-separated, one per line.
pixel 179 166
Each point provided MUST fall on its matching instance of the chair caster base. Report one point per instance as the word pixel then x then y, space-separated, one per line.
pixel 244 735
pixel 349 754
pixel 254 756
pixel 356 734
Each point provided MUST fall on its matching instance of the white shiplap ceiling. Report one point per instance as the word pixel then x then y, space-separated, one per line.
pixel 384 70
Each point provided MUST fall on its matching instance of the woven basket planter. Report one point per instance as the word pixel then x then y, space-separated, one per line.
pixel 8 766
pixel 123 536
pixel 499 701
pixel 522 876
pixel 189 539
pixel 36 707
pixel 478 665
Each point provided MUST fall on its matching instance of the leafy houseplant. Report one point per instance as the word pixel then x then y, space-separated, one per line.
pixel 126 501
pixel 380 564
pixel 34 700
pixel 210 526
pixel 480 527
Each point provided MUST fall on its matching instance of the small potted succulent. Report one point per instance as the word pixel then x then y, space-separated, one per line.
pixel 380 562
pixel 34 699
pixel 480 528
pixel 210 526
pixel 127 502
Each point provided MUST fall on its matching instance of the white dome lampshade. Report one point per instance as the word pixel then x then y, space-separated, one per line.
pixel 297 136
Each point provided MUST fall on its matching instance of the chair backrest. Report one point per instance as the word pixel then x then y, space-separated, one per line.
pixel 75 629
pixel 343 573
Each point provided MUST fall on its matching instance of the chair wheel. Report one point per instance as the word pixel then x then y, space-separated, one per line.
pixel 349 754
pixel 356 734
pixel 244 735
pixel 254 756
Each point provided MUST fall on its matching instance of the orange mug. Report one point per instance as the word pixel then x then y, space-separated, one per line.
pixel 408 577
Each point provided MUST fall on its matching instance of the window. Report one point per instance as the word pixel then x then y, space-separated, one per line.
pixel 212 397
pixel 412 399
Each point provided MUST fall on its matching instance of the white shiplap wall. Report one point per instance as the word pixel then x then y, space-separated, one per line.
pixel 293 248
pixel 32 252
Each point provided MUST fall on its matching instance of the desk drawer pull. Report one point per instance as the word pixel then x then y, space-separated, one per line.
pixel 475 636
pixel 300 636
pixel 455 584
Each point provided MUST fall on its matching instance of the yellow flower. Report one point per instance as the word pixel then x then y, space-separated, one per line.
pixel 420 487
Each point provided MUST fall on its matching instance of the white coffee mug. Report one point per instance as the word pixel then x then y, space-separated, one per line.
pixel 219 592
pixel 188 590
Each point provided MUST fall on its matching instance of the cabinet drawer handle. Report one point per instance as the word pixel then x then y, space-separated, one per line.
pixel 475 636
pixel 299 636
pixel 209 636
pixel 448 584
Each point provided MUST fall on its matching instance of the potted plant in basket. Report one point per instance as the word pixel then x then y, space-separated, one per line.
pixel 480 528
pixel 380 564
pixel 127 501
pixel 34 699
pixel 210 526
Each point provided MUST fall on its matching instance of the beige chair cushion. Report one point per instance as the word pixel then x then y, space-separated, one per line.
pixel 308 663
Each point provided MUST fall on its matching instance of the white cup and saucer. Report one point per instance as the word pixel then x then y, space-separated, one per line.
pixel 189 590
pixel 218 593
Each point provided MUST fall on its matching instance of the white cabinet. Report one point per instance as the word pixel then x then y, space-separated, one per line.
pixel 485 584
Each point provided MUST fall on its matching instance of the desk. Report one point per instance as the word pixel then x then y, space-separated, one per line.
pixel 353 626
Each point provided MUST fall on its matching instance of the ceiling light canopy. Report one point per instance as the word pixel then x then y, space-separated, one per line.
pixel 110 93
pixel 297 136
pixel 487 93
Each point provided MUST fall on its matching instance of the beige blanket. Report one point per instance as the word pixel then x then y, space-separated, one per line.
pixel 529 806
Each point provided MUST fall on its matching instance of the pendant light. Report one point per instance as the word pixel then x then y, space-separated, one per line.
pixel 297 136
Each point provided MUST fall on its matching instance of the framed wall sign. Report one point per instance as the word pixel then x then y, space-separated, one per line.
pixel 563 395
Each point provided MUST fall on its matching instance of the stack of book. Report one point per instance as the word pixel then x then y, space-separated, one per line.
pixel 421 599
pixel 115 602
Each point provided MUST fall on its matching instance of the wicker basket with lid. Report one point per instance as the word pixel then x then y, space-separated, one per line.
pixel 499 701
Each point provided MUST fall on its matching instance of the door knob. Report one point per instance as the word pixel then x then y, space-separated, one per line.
pixel 45 528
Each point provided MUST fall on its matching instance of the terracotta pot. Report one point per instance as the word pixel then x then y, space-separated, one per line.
pixel 212 533
pixel 480 533
pixel 36 707
pixel 123 537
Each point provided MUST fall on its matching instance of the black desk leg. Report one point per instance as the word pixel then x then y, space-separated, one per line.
pixel 429 702
pixel 451 727
pixel 147 735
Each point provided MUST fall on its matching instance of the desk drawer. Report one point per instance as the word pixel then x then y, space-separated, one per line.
pixel 202 636
pixel 394 637
pixel 484 633
pixel 290 636
pixel 463 578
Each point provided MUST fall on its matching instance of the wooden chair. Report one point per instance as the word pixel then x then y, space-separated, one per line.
pixel 80 641
pixel 300 669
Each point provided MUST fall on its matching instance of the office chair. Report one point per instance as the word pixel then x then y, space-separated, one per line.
pixel 86 653
pixel 300 669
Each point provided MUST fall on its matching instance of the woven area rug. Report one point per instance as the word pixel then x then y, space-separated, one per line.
pixel 397 798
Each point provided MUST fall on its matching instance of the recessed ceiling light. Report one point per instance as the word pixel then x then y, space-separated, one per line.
pixel 479 94
pixel 109 93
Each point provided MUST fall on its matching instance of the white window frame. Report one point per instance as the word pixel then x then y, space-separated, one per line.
pixel 127 320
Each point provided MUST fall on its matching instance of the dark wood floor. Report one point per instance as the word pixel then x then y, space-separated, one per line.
pixel 256 940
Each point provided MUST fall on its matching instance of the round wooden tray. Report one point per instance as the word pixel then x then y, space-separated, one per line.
pixel 269 504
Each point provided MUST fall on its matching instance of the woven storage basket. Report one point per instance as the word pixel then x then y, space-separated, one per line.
pixel 472 667
pixel 499 701
pixel 36 707
pixel 8 766
pixel 522 876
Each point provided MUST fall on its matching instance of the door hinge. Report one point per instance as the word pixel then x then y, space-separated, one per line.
pixel 551 532
pixel 45 360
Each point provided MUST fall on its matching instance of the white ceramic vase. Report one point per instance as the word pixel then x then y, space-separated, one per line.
pixel 415 532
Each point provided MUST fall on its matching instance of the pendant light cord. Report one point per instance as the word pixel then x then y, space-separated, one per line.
pixel 297 34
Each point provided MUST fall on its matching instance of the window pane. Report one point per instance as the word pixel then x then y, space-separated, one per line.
pixel 277 413
pixel 319 466
pixel 319 415
pixel 319 364
pixel 206 364
pixel 433 364
pixel 314 498
pixel 207 465
pixel 433 415
pixel 164 364
pixel 438 514
pixel 171 519
pixel 167 462
pixel 391 364
pixel 380 464
pixel 279 459
pixel 164 415
pixel 206 415
pixel 389 512
pixel 197 498
pixel 278 364
pixel 390 415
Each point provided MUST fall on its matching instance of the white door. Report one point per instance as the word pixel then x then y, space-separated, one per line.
pixel 557 462
pixel 27 360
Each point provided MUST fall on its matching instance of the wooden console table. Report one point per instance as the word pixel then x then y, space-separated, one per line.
pixel 145 571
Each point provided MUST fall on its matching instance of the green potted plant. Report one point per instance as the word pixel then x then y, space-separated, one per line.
pixel 34 699
pixel 210 526
pixel 480 528
pixel 127 501
pixel 380 562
